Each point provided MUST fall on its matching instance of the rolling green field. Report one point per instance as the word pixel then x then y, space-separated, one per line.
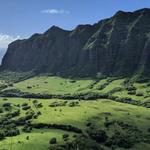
pixel 63 124
pixel 57 85
pixel 38 139
pixel 52 85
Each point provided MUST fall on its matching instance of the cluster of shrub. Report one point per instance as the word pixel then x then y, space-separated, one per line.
pixel 16 76
pixel 94 140
pixel 57 126
pixel 18 93
pixel 146 104
pixel 64 103
pixel 116 89
pixel 131 88
pixel 25 106
pixel 58 104
pixel 91 86
pixel 65 137
pixel 82 96
pixel 29 115
pixel 143 80
pixel 7 124
pixel 126 139
pixel 101 87
pixel 3 86
pixel 81 142
pixel 9 131
pixel 11 93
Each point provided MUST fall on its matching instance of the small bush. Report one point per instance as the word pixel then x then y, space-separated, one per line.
pixel 35 101
pixel 1 110
pixel 27 129
pixel 139 94
pixel 99 136
pixel 24 104
pixel 58 104
pixel 39 113
pixel 131 88
pixel 72 81
pixel 27 138
pixel 89 124
pixel 65 136
pixel 39 105
pixel 7 105
pixel 73 104
pixel 53 141
pixel 133 92
pixel 26 107
pixel 29 87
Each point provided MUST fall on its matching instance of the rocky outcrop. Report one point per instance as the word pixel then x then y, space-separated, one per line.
pixel 116 46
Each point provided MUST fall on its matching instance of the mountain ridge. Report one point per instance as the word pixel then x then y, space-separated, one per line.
pixel 116 46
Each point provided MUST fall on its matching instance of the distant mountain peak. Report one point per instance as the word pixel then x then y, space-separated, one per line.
pixel 142 10
pixel 120 12
pixel 54 29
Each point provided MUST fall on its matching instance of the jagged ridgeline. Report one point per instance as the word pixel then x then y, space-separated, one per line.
pixel 116 46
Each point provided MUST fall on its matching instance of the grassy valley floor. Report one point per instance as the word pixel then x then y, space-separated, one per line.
pixel 102 114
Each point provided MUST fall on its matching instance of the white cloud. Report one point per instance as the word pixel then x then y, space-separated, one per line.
pixel 55 11
pixel 6 39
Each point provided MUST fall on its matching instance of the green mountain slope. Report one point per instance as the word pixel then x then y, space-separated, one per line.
pixel 118 46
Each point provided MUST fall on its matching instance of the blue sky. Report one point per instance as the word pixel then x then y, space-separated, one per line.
pixel 22 18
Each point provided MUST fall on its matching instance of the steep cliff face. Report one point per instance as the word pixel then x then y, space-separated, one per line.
pixel 119 45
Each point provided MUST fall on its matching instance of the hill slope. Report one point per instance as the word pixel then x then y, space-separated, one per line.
pixel 115 46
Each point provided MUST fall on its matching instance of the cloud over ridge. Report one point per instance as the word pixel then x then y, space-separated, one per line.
pixel 6 39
